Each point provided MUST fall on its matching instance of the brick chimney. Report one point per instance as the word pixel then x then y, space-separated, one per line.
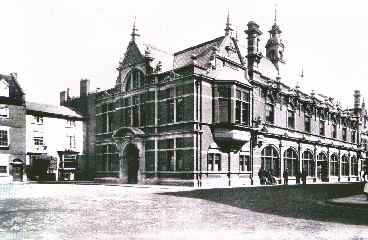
pixel 62 98
pixel 84 87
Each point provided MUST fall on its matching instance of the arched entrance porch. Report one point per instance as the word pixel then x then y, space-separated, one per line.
pixel 132 159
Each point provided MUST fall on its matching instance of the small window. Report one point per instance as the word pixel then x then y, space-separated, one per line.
pixel 4 111
pixel 38 141
pixel 4 140
pixel 70 123
pixel 3 169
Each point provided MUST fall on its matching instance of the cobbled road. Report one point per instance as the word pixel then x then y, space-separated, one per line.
pixel 56 211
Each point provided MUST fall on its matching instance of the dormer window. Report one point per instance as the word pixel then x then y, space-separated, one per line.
pixel 134 80
pixel 4 88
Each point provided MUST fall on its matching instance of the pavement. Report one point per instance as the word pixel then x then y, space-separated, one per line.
pixel 97 212
pixel 359 200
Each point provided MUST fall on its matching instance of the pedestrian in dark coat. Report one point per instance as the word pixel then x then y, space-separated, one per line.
pixel 286 176
pixel 304 177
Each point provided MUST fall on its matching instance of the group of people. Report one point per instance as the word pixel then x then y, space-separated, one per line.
pixel 267 178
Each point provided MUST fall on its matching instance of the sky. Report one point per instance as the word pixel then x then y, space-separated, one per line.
pixel 52 44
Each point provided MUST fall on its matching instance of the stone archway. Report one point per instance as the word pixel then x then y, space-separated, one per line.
pixel 129 142
pixel 131 156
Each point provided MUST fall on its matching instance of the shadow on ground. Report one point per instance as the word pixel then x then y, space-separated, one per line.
pixel 297 201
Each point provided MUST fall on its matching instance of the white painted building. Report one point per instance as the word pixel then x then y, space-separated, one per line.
pixel 54 142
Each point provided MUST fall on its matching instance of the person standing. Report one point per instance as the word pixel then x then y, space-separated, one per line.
pixel 286 176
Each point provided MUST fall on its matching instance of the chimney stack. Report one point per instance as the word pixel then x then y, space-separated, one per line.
pixel 357 99
pixel 62 98
pixel 84 87
pixel 253 34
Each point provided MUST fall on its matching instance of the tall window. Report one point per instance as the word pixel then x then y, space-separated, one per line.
pixel 354 166
pixel 307 123
pixel 344 165
pixel 107 158
pixel 104 117
pixel 334 165
pixel 291 161
pixel 270 160
pixel 134 80
pixel 214 162
pixel 244 163
pixel 322 166
pixel 308 163
pixel 334 130
pixel 4 140
pixel 344 133
pixel 321 127
pixel 270 113
pixel 353 136
pixel 223 104
pixel 291 119
pixel 242 108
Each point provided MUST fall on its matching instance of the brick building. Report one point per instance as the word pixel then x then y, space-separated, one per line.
pixel 215 114
pixel 12 130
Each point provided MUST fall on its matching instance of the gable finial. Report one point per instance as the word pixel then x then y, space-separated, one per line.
pixel 134 31
pixel 275 19
pixel 302 73
pixel 228 28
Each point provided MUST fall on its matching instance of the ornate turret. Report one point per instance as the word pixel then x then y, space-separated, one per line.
pixel 275 46
pixel 253 55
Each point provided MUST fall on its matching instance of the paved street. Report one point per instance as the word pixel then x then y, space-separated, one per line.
pixel 36 211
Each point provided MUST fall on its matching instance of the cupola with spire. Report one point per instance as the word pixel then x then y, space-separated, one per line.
pixel 275 46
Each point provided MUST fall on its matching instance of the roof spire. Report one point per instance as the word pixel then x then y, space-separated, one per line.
pixel 302 73
pixel 275 19
pixel 134 31
pixel 228 28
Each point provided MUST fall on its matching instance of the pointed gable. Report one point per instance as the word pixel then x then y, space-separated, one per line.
pixel 229 50
pixel 133 55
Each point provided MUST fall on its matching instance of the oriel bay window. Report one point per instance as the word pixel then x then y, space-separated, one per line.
pixel 242 107
pixel 222 105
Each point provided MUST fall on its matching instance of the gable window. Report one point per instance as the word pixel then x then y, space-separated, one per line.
pixel 291 119
pixel 134 80
pixel 4 88
pixel 307 124
pixel 270 113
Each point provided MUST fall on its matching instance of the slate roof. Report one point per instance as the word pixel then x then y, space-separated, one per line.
pixel 52 110
pixel 202 52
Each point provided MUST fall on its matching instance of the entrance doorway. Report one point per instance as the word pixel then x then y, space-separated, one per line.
pixel 17 170
pixel 132 162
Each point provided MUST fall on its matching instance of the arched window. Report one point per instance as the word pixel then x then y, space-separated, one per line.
pixel 291 161
pixel 308 163
pixel 4 88
pixel 354 166
pixel 322 166
pixel 134 80
pixel 334 165
pixel 344 165
pixel 271 160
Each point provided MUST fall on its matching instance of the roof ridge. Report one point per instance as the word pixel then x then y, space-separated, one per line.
pixel 199 45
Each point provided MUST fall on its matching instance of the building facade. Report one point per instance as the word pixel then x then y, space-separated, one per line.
pixel 12 130
pixel 215 114
pixel 54 142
